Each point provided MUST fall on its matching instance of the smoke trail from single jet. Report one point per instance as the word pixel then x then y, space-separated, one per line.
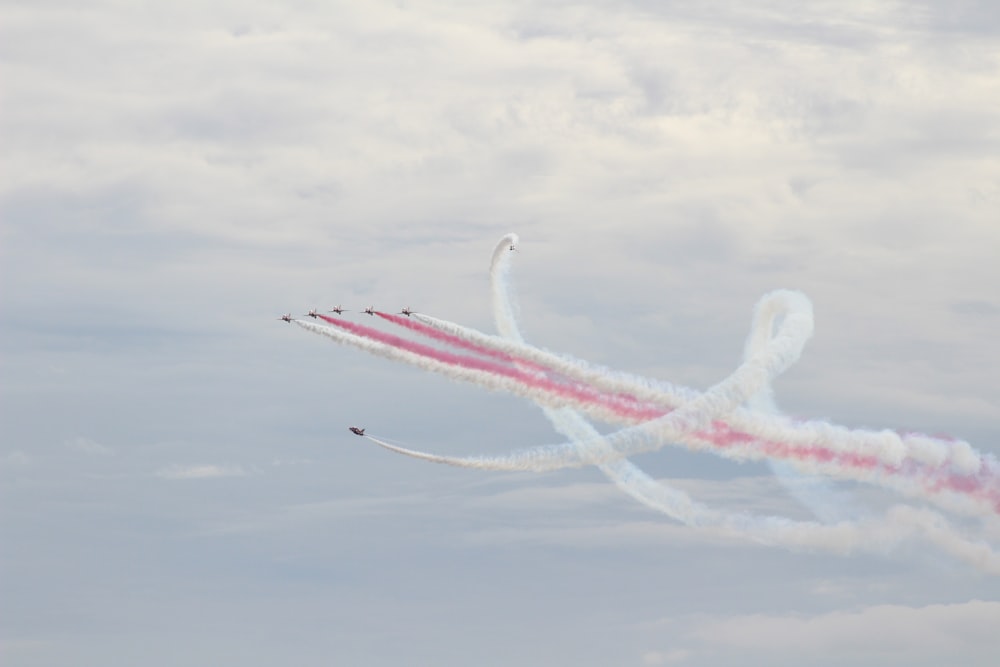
pixel 813 491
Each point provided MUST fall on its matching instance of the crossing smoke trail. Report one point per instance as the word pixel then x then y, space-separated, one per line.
pixel 894 447
pixel 949 473
pixel 687 425
pixel 925 461
pixel 880 534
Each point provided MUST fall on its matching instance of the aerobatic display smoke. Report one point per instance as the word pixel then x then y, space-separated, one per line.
pixel 736 419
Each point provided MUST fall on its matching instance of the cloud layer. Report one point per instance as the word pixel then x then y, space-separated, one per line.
pixel 175 176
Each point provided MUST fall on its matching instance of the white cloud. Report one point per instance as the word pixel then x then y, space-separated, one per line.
pixel 176 175
pixel 753 494
pixel 204 471
pixel 15 459
pixel 88 446
pixel 960 633
pixel 670 657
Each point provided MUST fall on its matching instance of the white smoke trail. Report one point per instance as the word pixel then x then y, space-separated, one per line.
pixel 768 356
pixel 814 492
pixel 900 524
pixel 681 426
pixel 482 378
pixel 893 448
pixel 880 535
pixel 557 456
pixel 646 389
pixel 589 444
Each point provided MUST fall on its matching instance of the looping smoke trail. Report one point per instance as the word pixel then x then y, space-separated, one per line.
pixel 950 473
pixel 900 523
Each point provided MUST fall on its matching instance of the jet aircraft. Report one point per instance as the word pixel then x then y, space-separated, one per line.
pixel 406 311
pixel 370 310
pixel 357 431
pixel 337 310
pixel 286 317
pixel 313 313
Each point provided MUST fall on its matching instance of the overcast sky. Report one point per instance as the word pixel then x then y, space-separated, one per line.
pixel 177 483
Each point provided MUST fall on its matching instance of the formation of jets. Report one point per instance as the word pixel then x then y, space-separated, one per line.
pixel 370 310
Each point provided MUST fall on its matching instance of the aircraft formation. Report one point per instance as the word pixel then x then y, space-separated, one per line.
pixel 735 419
pixel 338 309
pixel 370 310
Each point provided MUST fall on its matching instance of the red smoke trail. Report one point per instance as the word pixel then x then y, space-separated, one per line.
pixel 586 394
pixel 519 362
pixel 982 485
pixel 445 337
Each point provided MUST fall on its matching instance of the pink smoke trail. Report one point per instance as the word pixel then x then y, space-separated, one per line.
pixel 455 341
pixel 627 412
pixel 519 362
pixel 981 485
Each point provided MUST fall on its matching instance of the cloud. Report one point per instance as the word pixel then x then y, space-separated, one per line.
pixel 15 459
pixel 88 446
pixel 205 471
pixel 960 633
pixel 670 657
pixel 182 174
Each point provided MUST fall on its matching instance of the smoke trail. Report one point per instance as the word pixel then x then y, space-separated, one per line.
pixel 880 535
pixel 893 447
pixel 813 491
pixel 943 467
pixel 492 375
pixel 913 464
pixel 457 341
pixel 902 523
pixel 811 453
pixel 976 494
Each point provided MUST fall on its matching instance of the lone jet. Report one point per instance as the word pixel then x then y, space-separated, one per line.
pixel 512 247
pixel 370 310
pixel 357 431
pixel 313 313
pixel 406 311
pixel 286 317
pixel 337 310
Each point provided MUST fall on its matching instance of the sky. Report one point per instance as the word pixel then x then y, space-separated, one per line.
pixel 177 482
